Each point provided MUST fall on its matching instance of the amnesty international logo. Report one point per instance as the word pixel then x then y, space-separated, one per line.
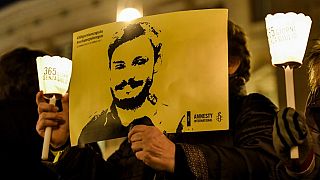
pixel 202 118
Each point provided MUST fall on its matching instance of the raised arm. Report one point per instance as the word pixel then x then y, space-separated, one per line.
pixel 50 115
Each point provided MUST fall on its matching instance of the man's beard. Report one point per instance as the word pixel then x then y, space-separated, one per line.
pixel 133 103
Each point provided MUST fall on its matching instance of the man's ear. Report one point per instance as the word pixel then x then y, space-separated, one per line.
pixel 233 64
pixel 156 66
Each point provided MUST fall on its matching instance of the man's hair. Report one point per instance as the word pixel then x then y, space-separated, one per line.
pixel 314 65
pixel 133 31
pixel 18 73
pixel 237 47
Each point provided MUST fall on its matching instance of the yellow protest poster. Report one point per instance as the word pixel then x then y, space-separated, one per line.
pixel 168 70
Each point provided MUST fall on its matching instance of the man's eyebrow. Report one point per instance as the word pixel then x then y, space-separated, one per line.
pixel 136 59
pixel 117 62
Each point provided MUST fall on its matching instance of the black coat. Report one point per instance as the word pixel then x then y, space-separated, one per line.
pixel 21 145
pixel 245 151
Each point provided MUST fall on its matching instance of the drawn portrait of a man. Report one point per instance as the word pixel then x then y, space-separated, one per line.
pixel 133 59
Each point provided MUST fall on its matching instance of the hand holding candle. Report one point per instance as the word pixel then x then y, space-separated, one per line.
pixel 288 36
pixel 54 74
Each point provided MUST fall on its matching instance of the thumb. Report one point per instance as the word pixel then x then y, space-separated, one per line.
pixel 40 97
pixel 65 102
pixel 292 126
pixel 295 124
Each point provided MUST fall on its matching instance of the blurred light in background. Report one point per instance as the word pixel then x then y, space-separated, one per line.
pixel 128 14
pixel 128 10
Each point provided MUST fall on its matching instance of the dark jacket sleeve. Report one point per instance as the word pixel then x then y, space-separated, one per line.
pixel 251 155
pixel 82 163
pixel 314 174
pixel 88 163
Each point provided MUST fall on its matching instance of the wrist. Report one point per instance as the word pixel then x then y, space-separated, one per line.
pixel 54 147
pixel 57 151
pixel 303 168
pixel 172 161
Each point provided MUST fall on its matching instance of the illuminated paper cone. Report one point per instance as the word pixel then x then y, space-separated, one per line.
pixel 54 75
pixel 288 35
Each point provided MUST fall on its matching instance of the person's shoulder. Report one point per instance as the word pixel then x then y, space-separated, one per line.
pixel 257 97
pixel 89 131
pixel 102 126
pixel 259 100
pixel 97 119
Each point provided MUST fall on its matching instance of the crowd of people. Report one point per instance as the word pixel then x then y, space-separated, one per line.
pixel 256 145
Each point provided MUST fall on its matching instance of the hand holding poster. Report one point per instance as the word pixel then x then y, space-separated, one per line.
pixel 169 70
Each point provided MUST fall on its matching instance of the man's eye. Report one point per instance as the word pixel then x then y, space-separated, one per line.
pixel 119 65
pixel 139 60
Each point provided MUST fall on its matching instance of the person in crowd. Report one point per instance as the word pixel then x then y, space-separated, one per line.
pixel 293 128
pixel 245 151
pixel 21 145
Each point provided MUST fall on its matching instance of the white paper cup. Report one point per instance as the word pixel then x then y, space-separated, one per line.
pixel 54 74
pixel 288 35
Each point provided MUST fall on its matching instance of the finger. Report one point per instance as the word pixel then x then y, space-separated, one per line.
pixel 136 137
pixel 51 116
pixel 137 146
pixel 40 97
pixel 299 131
pixel 146 158
pixel 290 124
pixel 141 155
pixel 45 107
pixel 49 123
pixel 280 131
pixel 43 123
pixel 278 140
pixel 65 102
pixel 136 129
